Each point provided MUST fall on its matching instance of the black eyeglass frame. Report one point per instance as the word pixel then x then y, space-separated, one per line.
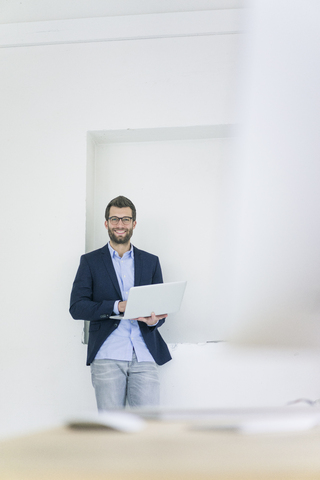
pixel 118 220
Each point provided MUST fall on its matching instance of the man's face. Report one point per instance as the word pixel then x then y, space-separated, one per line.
pixel 120 233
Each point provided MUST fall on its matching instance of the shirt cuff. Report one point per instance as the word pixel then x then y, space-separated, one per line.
pixel 115 307
pixel 154 324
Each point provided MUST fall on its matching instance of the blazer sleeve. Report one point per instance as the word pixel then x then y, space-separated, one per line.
pixel 157 275
pixel 157 278
pixel 82 304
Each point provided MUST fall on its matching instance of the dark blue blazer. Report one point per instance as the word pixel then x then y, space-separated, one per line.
pixel 96 288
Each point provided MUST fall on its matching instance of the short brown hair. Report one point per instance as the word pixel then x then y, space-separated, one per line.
pixel 121 202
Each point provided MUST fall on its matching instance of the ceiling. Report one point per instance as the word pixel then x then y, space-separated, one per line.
pixel 16 11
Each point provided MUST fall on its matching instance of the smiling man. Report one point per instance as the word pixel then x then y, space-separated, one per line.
pixel 123 354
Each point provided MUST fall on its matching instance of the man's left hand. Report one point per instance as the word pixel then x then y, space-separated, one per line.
pixel 153 320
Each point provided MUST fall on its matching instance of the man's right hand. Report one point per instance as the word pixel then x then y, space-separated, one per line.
pixel 122 306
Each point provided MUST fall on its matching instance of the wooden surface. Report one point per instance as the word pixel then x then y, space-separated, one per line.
pixel 163 450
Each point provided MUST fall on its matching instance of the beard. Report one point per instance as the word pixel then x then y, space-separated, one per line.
pixel 120 240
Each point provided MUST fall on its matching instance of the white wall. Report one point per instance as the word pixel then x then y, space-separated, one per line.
pixel 50 97
pixel 178 189
pixel 220 375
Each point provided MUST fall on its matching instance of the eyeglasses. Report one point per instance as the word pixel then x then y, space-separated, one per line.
pixel 116 220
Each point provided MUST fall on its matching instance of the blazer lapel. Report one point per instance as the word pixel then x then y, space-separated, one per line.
pixel 137 267
pixel 107 260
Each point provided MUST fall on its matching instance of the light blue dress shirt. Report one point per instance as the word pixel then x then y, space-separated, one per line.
pixel 127 337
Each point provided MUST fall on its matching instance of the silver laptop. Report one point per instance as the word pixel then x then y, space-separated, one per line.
pixel 160 298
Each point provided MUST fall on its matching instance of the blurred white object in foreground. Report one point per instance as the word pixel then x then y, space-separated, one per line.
pixel 275 259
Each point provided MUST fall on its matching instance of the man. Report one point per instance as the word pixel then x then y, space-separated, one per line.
pixel 123 354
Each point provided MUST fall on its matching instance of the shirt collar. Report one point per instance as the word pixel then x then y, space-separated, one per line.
pixel 114 254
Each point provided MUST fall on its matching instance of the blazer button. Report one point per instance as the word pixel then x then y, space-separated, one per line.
pixel 115 324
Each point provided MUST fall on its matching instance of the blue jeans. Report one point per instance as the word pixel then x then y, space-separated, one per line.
pixel 117 382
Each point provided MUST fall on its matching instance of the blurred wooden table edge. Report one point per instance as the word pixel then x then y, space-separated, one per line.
pixel 171 449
